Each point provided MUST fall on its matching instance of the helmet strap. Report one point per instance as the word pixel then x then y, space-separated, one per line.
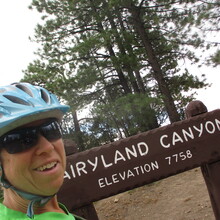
pixel 41 200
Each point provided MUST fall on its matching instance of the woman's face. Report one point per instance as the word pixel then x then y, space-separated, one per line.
pixel 38 170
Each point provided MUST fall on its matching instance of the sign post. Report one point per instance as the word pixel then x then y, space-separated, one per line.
pixel 88 212
pixel 210 171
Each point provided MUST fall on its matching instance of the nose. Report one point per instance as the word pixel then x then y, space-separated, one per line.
pixel 43 146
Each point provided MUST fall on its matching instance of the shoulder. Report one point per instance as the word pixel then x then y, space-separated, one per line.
pixel 9 214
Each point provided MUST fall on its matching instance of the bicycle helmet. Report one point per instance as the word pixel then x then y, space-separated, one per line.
pixel 22 103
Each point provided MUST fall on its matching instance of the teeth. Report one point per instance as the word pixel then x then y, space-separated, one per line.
pixel 47 166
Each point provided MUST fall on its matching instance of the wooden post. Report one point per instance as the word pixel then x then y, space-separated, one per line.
pixel 88 212
pixel 210 171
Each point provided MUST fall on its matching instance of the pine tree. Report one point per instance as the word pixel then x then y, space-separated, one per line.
pixel 120 57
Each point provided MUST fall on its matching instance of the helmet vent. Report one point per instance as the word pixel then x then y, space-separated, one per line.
pixel 16 100
pixel 45 96
pixel 25 89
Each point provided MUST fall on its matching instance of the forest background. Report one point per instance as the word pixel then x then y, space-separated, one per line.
pixel 121 62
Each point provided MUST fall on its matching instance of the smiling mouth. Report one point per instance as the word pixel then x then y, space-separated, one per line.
pixel 48 166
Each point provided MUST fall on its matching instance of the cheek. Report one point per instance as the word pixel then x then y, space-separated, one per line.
pixel 61 151
pixel 12 165
pixel 5 160
pixel 9 167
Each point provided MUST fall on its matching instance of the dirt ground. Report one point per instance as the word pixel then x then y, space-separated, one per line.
pixel 180 197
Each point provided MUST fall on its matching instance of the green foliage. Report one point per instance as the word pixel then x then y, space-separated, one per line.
pixel 132 111
pixel 215 59
pixel 117 56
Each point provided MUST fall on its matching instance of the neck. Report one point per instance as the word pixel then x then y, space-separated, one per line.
pixel 13 201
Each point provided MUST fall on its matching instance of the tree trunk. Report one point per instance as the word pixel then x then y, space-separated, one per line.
pixel 136 80
pixel 130 52
pixel 78 134
pixel 122 78
pixel 122 50
pixel 153 61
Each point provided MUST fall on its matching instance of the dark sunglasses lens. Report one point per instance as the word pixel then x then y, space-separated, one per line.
pixel 20 141
pixel 51 131
pixel 23 139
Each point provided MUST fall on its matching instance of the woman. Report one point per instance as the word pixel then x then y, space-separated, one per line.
pixel 32 153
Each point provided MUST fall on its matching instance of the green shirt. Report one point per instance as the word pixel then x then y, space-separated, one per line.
pixel 10 214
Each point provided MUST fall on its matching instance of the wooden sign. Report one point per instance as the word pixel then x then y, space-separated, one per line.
pixel 141 159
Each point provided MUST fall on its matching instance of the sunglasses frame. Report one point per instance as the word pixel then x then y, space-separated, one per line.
pixel 22 139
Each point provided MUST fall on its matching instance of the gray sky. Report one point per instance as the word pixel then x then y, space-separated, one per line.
pixel 17 23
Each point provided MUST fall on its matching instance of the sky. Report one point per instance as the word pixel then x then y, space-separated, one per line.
pixel 17 24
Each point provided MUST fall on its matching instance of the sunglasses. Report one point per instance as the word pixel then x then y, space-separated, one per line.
pixel 22 139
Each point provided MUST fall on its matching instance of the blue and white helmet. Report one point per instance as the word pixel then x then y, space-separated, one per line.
pixel 22 103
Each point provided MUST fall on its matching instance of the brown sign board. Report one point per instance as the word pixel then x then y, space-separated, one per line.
pixel 141 159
